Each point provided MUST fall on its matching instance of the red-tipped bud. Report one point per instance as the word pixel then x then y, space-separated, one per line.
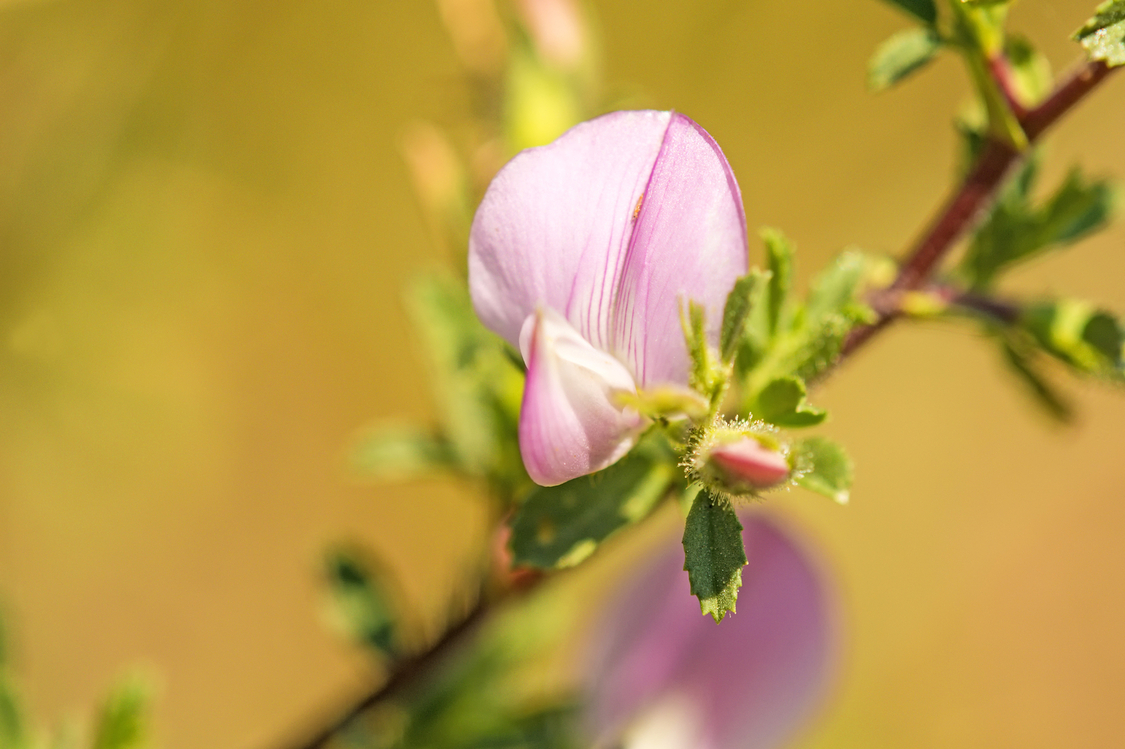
pixel 748 462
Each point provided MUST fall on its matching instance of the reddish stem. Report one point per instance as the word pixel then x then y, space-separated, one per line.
pixel 977 191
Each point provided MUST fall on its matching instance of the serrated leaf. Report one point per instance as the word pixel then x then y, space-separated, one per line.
pixel 756 336
pixel 823 467
pixel 1016 230
pixel 361 600
pixel 1078 334
pixel 923 10
pixel 123 720
pixel 779 257
pixel 906 52
pixel 560 526
pixel 401 452
pixel 1021 360
pixel 1103 36
pixel 714 554
pixel 735 313
pixel 782 402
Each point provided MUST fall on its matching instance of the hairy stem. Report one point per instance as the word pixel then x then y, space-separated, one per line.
pixel 976 192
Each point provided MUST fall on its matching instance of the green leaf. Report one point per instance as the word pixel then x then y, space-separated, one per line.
pixel 739 304
pixel 560 526
pixel 1021 359
pixel 833 291
pixel 1031 72
pixel 1103 36
pixel 1076 333
pixel 478 385
pixel 361 600
pixel 924 10
pixel 713 554
pixel 11 714
pixel 123 720
pixel 1016 230
pixel 823 467
pixel 401 452
pixel 782 402
pixel 904 53
pixel 779 255
pixel 756 335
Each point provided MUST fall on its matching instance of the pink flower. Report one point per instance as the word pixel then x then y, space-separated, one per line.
pixel 582 254
pixel 666 677
pixel 748 464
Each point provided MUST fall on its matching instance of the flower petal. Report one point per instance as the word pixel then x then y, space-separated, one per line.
pixel 752 680
pixel 554 227
pixel 570 423
pixel 689 243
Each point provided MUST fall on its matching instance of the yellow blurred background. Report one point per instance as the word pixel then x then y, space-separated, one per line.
pixel 206 226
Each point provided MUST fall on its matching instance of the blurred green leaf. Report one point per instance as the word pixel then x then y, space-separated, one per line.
pixel 823 467
pixel 1103 36
pixel 1017 230
pixel 478 385
pixel 11 714
pixel 782 402
pixel 1031 72
pixel 1076 333
pixel 1022 361
pixel 833 291
pixel 401 452
pixel 738 307
pixel 361 600
pixel 923 10
pixel 560 526
pixel 123 720
pixel 779 255
pixel 902 54
pixel 713 554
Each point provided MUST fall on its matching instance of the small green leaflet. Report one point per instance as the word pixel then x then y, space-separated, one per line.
pixel 11 714
pixel 739 304
pixel 904 53
pixel 560 526
pixel 924 10
pixel 782 402
pixel 713 554
pixel 401 452
pixel 361 600
pixel 123 721
pixel 823 468
pixel 477 385
pixel 1017 230
pixel 1023 361
pixel 1103 36
pixel 779 254
pixel 1080 335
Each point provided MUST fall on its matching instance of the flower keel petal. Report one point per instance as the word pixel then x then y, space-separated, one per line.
pixel 570 420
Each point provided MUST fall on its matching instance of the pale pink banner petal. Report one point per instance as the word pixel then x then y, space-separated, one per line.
pixel 571 423
pixel 556 222
pixel 689 243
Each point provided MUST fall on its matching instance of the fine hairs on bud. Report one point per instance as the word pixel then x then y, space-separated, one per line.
pixel 738 458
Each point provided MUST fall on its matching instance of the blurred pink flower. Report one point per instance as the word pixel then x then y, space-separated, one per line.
pixel 582 254
pixel 666 677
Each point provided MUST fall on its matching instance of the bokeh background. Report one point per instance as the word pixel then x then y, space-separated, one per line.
pixel 206 225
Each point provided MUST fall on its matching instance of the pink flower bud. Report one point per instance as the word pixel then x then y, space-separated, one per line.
pixel 748 464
